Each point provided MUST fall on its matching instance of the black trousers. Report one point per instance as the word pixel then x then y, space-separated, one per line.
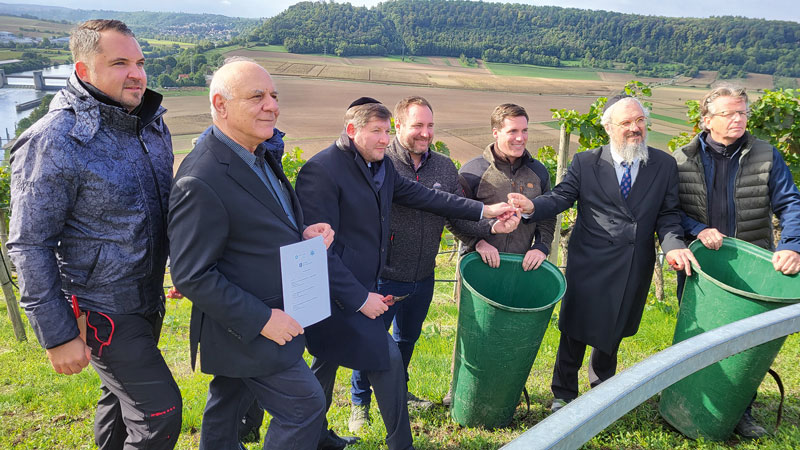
pixel 140 406
pixel 569 359
pixel 390 392
pixel 293 397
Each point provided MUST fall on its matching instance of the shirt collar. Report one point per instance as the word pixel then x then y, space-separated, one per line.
pixel 618 160
pixel 249 158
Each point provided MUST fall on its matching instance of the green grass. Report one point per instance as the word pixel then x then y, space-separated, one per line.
pixel 409 59
pixel 669 119
pixel 658 140
pixel 165 43
pixel 269 48
pixel 9 54
pixel 184 92
pixel 527 70
pixel 41 409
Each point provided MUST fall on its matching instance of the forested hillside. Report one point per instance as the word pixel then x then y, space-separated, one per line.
pixel 544 35
pixel 145 23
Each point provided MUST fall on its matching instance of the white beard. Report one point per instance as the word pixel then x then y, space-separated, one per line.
pixel 630 152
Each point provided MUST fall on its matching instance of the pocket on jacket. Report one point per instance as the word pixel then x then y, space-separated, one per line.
pixel 78 264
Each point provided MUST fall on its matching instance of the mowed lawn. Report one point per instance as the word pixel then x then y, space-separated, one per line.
pixel 42 410
pixel 528 70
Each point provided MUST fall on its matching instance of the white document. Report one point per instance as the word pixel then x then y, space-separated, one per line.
pixel 304 272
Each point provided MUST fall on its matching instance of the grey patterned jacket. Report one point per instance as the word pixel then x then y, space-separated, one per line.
pixel 89 191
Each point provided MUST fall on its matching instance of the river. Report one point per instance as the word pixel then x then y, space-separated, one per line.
pixel 10 97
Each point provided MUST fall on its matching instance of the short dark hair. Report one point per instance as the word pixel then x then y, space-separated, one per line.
pixel 401 109
pixel 504 111
pixel 84 42
pixel 360 115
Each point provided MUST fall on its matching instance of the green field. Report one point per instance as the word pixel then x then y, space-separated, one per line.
pixel 9 54
pixel 184 92
pixel 409 59
pixel 669 119
pixel 163 43
pixel 527 70
pixel 44 28
pixel 269 48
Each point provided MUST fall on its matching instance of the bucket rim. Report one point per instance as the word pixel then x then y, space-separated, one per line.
pixel 751 249
pixel 546 265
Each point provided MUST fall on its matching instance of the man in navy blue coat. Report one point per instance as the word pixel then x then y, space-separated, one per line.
pixel 351 186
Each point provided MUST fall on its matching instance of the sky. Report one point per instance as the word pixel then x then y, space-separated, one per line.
pixel 768 9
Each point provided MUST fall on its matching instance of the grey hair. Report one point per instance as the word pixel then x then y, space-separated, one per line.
pixel 606 119
pixel 84 41
pixel 221 85
pixel 723 90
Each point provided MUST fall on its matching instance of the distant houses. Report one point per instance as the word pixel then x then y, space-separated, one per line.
pixel 7 37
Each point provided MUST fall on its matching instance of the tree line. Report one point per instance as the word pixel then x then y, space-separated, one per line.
pixel 543 35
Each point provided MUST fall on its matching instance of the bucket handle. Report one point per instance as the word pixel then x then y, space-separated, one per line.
pixel 783 395
pixel 527 399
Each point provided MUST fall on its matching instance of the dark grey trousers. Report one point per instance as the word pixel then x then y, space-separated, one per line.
pixel 140 406
pixel 390 392
pixel 569 359
pixel 292 397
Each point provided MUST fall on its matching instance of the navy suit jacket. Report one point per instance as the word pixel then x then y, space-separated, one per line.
pixel 225 230
pixel 612 246
pixel 336 187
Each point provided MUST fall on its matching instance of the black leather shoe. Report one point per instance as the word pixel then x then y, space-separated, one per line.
pixel 333 442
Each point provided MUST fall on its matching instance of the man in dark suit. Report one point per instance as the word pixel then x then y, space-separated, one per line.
pixel 231 209
pixel 612 248
pixel 351 186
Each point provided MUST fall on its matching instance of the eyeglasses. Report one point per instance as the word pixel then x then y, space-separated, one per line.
pixel 731 114
pixel 639 122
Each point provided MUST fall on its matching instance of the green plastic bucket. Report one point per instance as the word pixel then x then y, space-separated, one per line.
pixel 503 316
pixel 735 282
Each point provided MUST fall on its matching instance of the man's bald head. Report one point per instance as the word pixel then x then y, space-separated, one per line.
pixel 244 102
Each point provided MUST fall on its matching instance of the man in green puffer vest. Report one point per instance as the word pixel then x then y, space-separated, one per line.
pixel 731 183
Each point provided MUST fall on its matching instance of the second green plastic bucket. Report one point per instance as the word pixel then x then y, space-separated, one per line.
pixel 735 282
pixel 502 319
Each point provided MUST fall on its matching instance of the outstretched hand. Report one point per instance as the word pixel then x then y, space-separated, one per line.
pixel 505 226
pixel 520 201
pixel 499 210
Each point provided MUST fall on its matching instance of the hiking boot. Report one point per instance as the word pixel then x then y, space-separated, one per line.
pixel 447 400
pixel 359 417
pixel 748 428
pixel 558 403
pixel 418 403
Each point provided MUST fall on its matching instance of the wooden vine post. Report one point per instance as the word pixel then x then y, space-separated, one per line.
pixel 5 280
pixel 563 155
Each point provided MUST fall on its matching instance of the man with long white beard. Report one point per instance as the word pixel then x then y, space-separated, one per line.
pixel 626 192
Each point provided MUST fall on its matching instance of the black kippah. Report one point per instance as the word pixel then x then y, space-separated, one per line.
pixel 363 101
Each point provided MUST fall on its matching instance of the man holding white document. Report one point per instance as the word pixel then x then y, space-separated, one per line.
pixel 231 210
